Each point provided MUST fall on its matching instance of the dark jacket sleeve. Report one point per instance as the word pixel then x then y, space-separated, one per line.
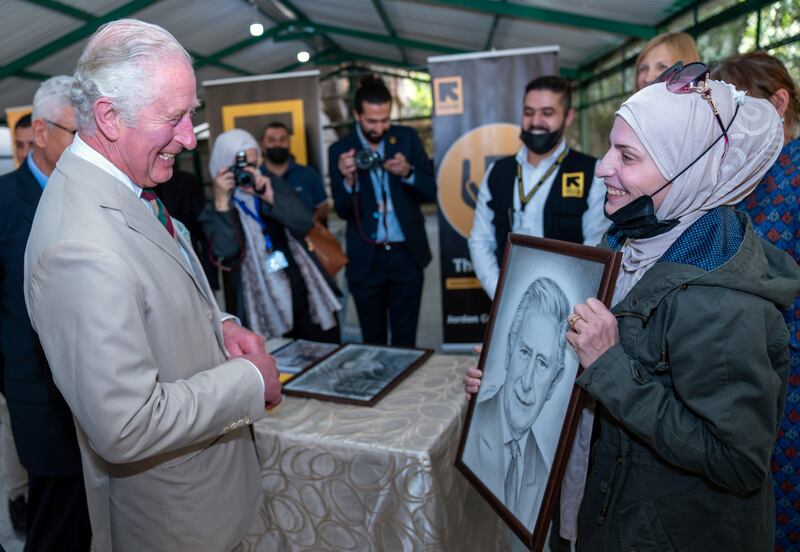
pixel 288 209
pixel 424 182
pixel 222 230
pixel 342 198
pixel 728 361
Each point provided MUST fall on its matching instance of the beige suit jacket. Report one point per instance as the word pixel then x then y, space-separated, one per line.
pixel 134 340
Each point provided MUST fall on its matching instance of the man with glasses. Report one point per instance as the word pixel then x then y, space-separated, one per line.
pixel 546 189
pixel 57 516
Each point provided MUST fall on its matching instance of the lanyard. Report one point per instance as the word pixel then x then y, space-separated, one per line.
pixel 525 198
pixel 384 181
pixel 255 217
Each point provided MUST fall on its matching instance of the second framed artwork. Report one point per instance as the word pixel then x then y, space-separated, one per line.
pixel 356 374
pixel 522 421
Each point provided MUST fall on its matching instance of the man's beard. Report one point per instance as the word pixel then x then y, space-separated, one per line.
pixel 372 137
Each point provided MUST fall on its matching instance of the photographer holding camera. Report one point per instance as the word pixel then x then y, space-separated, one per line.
pixel 380 174
pixel 256 229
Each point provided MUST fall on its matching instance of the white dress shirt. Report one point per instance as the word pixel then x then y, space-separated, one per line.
pixel 528 219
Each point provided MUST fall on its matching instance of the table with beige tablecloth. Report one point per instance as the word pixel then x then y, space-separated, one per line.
pixel 341 477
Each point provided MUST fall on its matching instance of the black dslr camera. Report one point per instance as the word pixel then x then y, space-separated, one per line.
pixel 367 159
pixel 241 176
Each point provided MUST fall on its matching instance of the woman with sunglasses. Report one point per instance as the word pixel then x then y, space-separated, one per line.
pixel 689 367
pixel 775 213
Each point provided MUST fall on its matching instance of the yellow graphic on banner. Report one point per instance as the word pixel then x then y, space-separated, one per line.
pixel 572 184
pixel 293 107
pixel 462 168
pixel 448 96
pixel 462 283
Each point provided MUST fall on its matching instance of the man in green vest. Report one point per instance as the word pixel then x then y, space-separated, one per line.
pixel 545 189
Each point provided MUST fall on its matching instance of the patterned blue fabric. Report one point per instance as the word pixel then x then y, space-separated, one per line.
pixel 709 243
pixel 774 208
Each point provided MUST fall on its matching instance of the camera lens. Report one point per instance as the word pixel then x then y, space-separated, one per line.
pixel 367 160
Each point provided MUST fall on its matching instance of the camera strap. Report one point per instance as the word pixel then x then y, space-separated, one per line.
pixel 383 178
pixel 249 212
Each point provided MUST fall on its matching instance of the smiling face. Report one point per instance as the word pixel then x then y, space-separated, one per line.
pixel 628 170
pixel 532 369
pixel 146 152
pixel 656 61
pixel 543 111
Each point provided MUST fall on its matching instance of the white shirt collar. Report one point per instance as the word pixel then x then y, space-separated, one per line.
pixel 522 156
pixel 83 150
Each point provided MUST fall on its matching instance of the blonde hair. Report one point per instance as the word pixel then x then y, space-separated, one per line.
pixel 681 45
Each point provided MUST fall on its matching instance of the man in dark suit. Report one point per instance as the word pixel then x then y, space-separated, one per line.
pixel 380 174
pixel 44 430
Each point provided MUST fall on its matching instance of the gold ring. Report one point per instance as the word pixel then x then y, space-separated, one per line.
pixel 572 319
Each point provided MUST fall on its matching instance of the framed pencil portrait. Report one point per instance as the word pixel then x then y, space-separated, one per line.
pixel 521 423
pixel 356 374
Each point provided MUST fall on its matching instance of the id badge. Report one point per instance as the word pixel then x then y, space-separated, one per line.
pixel 275 261
pixel 516 221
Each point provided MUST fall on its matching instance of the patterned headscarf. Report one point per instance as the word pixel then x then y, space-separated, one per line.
pixel 675 129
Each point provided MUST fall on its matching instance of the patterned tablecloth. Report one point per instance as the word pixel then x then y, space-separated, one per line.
pixel 340 477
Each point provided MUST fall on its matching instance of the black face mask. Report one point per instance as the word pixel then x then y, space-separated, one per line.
pixel 277 155
pixel 637 219
pixel 542 142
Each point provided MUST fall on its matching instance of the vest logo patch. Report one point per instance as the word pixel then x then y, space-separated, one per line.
pixel 572 184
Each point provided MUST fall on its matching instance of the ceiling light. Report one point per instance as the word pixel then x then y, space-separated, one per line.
pixel 256 28
pixel 303 56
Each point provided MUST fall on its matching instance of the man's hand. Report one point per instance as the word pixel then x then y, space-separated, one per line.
pixel 272 384
pixel 593 331
pixel 398 165
pixel 240 341
pixel 347 166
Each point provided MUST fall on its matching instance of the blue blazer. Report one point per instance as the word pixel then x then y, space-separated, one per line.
pixel 405 197
pixel 44 431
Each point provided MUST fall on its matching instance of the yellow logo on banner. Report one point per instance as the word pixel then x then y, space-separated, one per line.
pixel 231 115
pixel 448 96
pixel 462 167
pixel 572 184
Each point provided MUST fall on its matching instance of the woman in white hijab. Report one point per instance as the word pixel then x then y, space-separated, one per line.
pixel 689 367
pixel 256 227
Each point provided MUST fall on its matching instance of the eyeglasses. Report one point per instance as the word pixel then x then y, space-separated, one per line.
pixel 685 79
pixel 62 127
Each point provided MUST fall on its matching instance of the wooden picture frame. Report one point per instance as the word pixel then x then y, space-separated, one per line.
pixel 299 354
pixel 372 371
pixel 528 406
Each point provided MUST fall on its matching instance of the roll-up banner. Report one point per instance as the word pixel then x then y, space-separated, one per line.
pixel 250 103
pixel 477 106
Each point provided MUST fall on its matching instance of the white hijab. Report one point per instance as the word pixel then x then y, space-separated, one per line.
pixel 226 146
pixel 675 129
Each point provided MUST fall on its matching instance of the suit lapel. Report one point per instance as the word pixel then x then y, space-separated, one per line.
pixel 110 193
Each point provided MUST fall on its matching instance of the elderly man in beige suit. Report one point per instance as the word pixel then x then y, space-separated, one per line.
pixel 163 388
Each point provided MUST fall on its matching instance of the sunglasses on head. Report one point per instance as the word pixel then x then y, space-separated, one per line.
pixel 685 79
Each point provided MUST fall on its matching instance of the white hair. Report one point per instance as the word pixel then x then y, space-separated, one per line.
pixel 117 63
pixel 52 96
